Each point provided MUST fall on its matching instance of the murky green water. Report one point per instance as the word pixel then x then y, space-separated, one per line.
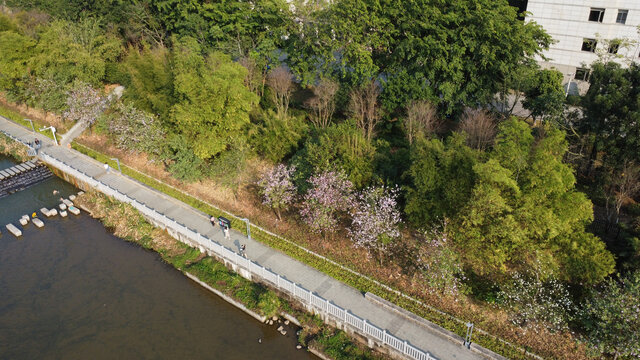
pixel 72 290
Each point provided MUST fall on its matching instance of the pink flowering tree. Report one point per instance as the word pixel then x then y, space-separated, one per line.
pixel 375 218
pixel 330 194
pixel 277 188
pixel 439 264
pixel 85 104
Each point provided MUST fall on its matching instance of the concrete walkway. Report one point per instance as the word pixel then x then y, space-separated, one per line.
pixel 322 284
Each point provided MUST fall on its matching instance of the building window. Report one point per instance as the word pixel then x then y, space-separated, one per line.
pixel 589 45
pixel 622 16
pixel 582 74
pixel 596 14
pixel 614 46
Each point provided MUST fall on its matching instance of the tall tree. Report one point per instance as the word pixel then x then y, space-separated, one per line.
pixel 323 103
pixel 281 83
pixel 545 96
pixel 525 211
pixel 422 120
pixel 612 114
pixel 612 321
pixel 365 109
pixel 441 179
pixel 212 102
pixel 459 49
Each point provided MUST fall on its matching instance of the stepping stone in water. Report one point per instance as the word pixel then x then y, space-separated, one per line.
pixel 14 230
pixel 37 222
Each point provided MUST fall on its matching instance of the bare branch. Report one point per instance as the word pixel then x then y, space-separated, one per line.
pixel 281 83
pixel 422 120
pixel 480 127
pixel 323 103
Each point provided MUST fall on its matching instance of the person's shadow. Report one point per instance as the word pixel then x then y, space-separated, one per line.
pixel 238 246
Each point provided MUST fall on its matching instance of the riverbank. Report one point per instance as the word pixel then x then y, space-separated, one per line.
pixel 256 299
pixel 12 149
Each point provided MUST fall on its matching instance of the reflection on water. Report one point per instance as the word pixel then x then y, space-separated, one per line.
pixel 73 291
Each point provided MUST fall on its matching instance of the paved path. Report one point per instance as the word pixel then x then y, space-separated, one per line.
pixel 311 279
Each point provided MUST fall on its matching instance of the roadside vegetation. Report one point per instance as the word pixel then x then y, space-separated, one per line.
pixel 127 223
pixel 373 138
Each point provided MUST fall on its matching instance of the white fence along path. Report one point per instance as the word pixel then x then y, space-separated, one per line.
pixel 304 296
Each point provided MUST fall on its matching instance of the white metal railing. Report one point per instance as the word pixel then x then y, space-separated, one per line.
pixel 303 295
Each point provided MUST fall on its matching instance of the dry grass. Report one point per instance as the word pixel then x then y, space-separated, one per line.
pixel 48 118
pixel 124 223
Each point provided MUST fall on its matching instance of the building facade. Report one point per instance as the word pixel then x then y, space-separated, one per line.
pixel 585 30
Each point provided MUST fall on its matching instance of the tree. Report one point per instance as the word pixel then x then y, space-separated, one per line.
pixel 612 322
pixel 421 121
pixel 85 104
pixel 151 80
pixel 624 186
pixel 458 48
pixel 277 188
pixel 322 104
pixel 544 98
pixel 16 50
pixel 537 302
pixel 479 127
pixel 69 52
pixel 612 115
pixel 338 147
pixel 276 138
pixel 329 195
pixel 375 218
pixel 281 83
pixel 441 179
pixel 134 130
pixel 439 264
pixel 364 108
pixel 212 103
pixel 525 211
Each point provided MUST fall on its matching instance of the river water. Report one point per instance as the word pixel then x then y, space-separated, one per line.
pixel 72 290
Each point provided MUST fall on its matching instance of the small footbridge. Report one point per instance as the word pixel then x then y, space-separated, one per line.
pixel 21 176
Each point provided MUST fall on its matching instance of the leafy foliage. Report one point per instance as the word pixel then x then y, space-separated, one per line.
pixel 613 317
pixel 212 104
pixel 134 130
pixel 341 146
pixel 537 304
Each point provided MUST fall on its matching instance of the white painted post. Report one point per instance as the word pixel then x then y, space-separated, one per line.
pixel 404 349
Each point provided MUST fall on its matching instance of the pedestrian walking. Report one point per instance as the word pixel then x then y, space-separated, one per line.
pixel 213 221
pixel 242 250
pixel 226 233
pixel 106 167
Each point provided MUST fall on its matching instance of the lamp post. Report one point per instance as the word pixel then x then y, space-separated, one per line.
pixel 117 162
pixel 32 127
pixel 248 227
pixel 53 131
pixel 467 339
pixel 566 93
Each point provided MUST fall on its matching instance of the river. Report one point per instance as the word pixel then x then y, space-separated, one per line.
pixel 72 290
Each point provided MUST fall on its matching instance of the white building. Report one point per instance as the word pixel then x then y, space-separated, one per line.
pixel 585 29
